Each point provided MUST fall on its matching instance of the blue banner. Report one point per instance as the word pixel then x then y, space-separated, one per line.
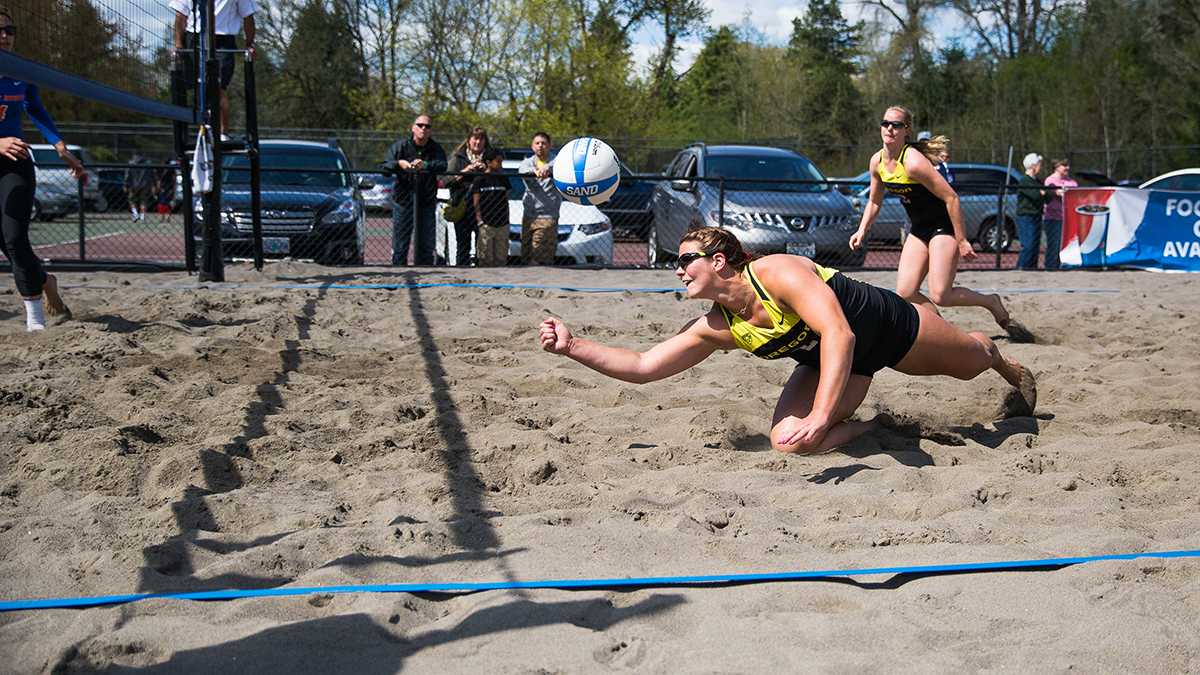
pixel 1128 227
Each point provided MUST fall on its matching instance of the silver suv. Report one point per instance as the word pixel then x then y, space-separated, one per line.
pixel 758 204
pixel 52 171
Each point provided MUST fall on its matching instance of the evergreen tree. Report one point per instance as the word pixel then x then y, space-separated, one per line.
pixel 320 73
pixel 826 48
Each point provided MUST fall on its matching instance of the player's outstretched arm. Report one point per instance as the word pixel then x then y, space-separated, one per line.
pixel 665 359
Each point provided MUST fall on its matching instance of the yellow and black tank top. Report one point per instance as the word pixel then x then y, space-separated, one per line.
pixel 924 208
pixel 788 335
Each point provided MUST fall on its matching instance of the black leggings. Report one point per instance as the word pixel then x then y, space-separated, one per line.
pixel 17 185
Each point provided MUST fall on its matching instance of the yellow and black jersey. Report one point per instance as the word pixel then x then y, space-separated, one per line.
pixel 788 334
pixel 884 325
pixel 925 210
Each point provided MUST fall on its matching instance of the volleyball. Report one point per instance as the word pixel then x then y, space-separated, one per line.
pixel 586 171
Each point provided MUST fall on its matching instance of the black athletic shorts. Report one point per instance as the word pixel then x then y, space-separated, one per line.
pixel 927 231
pixel 884 324
pixel 226 59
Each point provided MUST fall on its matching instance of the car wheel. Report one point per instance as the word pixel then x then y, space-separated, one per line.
pixel 101 204
pixel 992 238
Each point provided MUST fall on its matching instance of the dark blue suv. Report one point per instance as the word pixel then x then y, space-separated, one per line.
pixel 767 213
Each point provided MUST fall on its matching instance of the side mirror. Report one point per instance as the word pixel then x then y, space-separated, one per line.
pixel 365 184
pixel 682 185
pixel 857 203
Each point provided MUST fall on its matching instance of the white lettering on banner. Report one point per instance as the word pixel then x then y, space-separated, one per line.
pixel 1183 207
pixel 1182 249
pixel 1196 228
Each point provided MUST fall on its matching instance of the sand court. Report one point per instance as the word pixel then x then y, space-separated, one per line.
pixel 297 428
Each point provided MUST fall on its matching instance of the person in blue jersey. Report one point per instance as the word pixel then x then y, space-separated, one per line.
pixel 839 331
pixel 937 239
pixel 18 184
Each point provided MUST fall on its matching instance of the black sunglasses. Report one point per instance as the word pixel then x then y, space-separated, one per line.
pixel 10 31
pixel 688 258
pixel 892 124
pixel 422 125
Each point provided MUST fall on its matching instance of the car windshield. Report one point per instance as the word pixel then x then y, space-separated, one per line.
pixel 767 169
pixel 305 167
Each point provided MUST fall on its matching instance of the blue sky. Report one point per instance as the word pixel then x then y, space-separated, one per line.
pixel 772 18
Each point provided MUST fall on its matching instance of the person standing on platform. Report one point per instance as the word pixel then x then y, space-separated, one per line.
pixel 232 16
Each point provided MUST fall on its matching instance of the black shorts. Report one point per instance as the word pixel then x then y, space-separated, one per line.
pixel 226 59
pixel 927 231
pixel 884 325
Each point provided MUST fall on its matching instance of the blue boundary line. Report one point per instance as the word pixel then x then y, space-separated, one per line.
pixel 576 584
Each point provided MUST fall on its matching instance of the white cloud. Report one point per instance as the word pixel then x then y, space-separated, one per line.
pixel 773 19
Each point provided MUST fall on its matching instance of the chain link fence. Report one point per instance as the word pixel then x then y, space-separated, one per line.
pixel 337 215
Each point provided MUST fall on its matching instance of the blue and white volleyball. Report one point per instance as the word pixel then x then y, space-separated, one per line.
pixel 586 171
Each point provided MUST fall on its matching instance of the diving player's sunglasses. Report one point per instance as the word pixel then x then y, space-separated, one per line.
pixel 688 258
pixel 10 31
pixel 892 124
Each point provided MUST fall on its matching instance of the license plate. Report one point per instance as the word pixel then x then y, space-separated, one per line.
pixel 275 244
pixel 807 249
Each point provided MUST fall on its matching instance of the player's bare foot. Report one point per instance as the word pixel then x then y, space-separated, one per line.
pixel 54 303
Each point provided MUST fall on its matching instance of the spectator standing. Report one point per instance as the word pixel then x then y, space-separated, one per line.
pixel 466 158
pixel 1031 199
pixel 489 208
pixel 942 158
pixel 1052 215
pixel 232 16
pixel 139 186
pixel 416 162
pixel 542 201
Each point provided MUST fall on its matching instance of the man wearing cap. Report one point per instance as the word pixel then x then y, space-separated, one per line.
pixel 1031 199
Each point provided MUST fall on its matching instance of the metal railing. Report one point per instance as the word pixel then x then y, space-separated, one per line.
pixel 135 215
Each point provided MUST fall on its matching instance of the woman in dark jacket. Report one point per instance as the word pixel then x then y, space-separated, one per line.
pixel 467 157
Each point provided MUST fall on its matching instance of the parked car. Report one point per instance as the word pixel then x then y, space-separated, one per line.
pixel 311 205
pixel 1183 179
pixel 53 201
pixel 584 232
pixel 978 187
pixel 379 196
pixel 51 169
pixel 766 216
pixel 629 208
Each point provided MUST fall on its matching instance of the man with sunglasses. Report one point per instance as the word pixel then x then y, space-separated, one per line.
pixel 416 162
pixel 840 332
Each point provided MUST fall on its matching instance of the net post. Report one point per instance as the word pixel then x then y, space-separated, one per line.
pixel 255 163
pixel 180 131
pixel 212 264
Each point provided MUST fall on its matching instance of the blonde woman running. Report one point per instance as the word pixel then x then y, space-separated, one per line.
pixel 937 239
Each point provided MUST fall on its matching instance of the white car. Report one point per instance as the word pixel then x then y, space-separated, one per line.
pixel 584 233
pixel 51 169
pixel 1183 179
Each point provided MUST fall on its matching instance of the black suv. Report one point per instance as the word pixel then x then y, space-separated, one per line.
pixel 766 214
pixel 312 207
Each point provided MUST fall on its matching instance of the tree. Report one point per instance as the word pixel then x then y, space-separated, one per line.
pixel 320 73
pixel 826 48
pixel 1011 28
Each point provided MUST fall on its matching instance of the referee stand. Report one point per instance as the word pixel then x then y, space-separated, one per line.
pixel 207 106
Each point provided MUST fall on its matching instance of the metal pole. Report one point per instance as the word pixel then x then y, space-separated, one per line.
pixel 252 154
pixel 82 223
pixel 180 131
pixel 212 264
pixel 721 204
pixel 1001 216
